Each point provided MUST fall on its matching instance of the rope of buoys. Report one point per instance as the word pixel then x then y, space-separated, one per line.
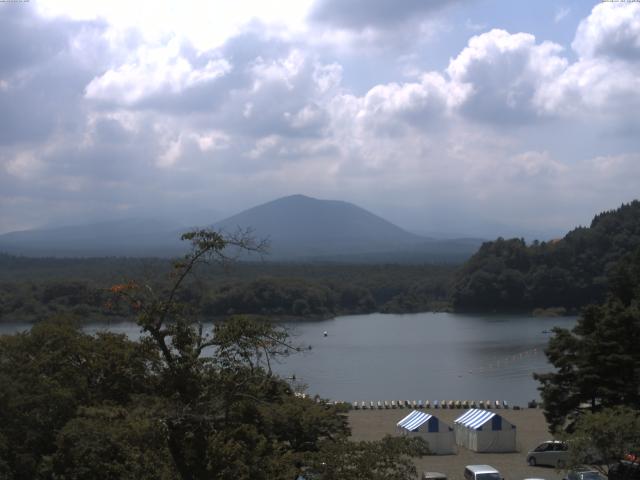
pixel 505 361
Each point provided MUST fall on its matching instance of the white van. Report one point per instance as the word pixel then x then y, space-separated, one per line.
pixel 553 453
pixel 481 472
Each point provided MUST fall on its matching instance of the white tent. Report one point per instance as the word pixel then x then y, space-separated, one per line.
pixel 437 434
pixel 485 431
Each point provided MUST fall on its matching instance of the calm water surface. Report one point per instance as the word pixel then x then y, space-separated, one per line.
pixel 436 356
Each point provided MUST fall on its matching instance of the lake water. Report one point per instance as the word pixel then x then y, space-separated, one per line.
pixel 435 356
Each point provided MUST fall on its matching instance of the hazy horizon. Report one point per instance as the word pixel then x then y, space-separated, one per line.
pixel 447 118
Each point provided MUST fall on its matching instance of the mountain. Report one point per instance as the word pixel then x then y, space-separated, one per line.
pixel 130 237
pixel 301 226
pixel 297 227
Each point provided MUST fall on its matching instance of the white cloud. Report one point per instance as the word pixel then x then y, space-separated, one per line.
pixel 283 70
pixel 24 165
pixel 561 13
pixel 502 72
pixel 536 164
pixel 203 23
pixel 604 79
pixel 611 30
pixel 474 26
pixel 264 145
pixel 153 71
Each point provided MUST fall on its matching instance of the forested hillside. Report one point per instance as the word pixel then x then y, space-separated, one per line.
pixel 570 272
pixel 32 288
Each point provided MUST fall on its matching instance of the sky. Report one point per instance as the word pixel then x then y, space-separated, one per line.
pixel 474 117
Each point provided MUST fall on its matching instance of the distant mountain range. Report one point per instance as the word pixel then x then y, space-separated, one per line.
pixel 297 227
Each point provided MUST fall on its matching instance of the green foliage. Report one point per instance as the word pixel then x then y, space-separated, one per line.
pixel 46 374
pixel 76 406
pixel 388 459
pixel 32 289
pixel 604 437
pixel 569 273
pixel 110 442
pixel 598 362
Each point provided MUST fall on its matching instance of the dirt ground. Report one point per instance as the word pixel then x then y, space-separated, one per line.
pixel 531 430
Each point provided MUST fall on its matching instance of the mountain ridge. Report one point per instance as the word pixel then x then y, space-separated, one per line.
pixel 298 227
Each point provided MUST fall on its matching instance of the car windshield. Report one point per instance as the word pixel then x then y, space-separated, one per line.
pixel 590 476
pixel 492 476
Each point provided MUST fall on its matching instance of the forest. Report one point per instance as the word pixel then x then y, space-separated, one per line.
pixel 33 288
pixel 567 273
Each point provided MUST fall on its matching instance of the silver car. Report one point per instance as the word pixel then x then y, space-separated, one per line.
pixel 552 453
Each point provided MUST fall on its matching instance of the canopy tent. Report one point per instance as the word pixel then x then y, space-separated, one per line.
pixel 485 431
pixel 437 434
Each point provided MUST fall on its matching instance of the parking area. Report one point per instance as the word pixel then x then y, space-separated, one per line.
pixel 531 431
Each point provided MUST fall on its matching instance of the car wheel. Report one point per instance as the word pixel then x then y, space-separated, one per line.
pixel 532 461
pixel 560 464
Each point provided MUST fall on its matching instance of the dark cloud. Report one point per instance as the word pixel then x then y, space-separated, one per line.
pixel 27 39
pixel 42 78
pixel 378 14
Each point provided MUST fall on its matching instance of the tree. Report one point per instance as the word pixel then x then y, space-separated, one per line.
pixel 230 416
pixel 388 459
pixel 182 402
pixel 48 373
pixel 108 442
pixel 598 362
pixel 604 437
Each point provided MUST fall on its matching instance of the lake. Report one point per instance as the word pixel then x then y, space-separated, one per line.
pixel 435 356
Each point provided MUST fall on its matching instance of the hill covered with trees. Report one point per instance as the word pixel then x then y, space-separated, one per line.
pixel 570 272
pixel 35 288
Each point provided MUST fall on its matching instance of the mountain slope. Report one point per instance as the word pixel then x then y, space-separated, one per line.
pixel 303 226
pixel 131 237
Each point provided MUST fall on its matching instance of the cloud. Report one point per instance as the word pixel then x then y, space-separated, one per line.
pixel 158 71
pixel 41 70
pixel 561 13
pixel 501 73
pixel 604 78
pixel 612 31
pixel 98 118
pixel 376 14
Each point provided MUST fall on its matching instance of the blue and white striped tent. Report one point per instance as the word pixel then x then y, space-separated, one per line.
pixel 437 434
pixel 485 431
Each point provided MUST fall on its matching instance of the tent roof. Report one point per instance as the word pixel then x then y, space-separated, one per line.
pixel 475 418
pixel 413 421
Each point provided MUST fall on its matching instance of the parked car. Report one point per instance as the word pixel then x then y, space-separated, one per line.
pixel 552 453
pixel 625 470
pixel 433 476
pixel 583 473
pixel 481 472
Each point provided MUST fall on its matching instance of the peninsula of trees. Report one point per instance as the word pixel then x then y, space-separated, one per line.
pixel 570 273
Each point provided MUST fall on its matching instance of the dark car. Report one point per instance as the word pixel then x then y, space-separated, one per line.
pixel 583 473
pixel 625 470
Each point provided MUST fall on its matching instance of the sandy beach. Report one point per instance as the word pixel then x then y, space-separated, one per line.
pixel 531 430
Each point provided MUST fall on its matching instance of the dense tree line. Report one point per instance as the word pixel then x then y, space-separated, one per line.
pixel 597 363
pixel 76 406
pixel 35 288
pixel 570 272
